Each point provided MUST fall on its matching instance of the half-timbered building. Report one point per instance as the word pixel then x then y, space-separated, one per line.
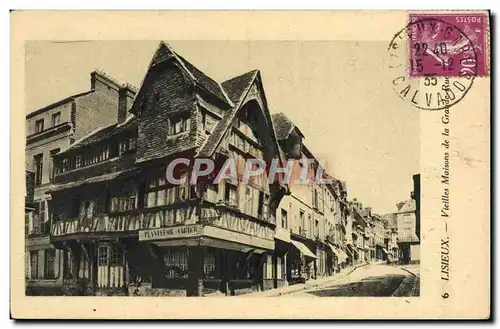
pixel 129 231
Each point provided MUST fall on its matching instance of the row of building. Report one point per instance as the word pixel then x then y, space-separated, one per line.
pixel 101 219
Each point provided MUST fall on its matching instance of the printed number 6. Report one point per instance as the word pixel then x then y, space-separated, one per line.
pixel 430 81
pixel 445 295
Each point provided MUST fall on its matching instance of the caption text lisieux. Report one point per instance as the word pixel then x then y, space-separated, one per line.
pixel 445 197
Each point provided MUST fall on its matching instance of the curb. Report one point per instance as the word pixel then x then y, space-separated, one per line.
pixel 413 280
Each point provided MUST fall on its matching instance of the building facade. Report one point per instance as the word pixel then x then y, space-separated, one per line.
pixel 129 231
pixel 51 130
pixel 313 217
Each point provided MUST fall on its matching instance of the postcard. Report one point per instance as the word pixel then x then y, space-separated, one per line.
pixel 250 165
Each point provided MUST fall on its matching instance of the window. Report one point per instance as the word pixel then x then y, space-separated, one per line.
pixel 33 264
pixel 316 228
pixel 78 161
pixel 176 263
pixel 68 263
pixel 159 193
pixel 56 119
pixel 203 121
pixel 52 165
pixel 40 225
pixel 38 126
pixel 178 125
pixel 103 255
pixel 302 224
pixel 284 219
pixel 123 203
pixel 116 257
pixel 231 194
pixel 269 267
pixel 38 164
pixel 50 256
pixel 127 145
pixel 111 269
pixel 209 264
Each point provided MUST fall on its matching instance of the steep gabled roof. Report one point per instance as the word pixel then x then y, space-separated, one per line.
pixel 236 88
pixel 165 52
pixel 284 126
pixel 206 82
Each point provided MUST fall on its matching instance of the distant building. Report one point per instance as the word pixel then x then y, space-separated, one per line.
pixel 408 241
pixel 313 216
pixel 391 236
pixel 50 130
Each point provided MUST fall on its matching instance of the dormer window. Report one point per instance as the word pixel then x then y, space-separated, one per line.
pixel 177 125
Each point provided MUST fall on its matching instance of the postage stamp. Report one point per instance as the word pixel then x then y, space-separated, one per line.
pixel 448 45
pixel 436 57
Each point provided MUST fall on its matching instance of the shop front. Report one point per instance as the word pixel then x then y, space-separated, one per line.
pixel 195 260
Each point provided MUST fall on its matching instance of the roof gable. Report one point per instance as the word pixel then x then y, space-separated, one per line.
pixel 165 53
pixel 284 126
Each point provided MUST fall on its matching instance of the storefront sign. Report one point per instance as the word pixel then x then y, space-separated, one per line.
pixel 170 232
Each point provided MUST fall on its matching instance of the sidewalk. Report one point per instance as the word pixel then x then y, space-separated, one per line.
pixel 316 283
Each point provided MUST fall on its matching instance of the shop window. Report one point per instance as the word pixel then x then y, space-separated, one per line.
pixel 50 257
pixel 33 264
pixel 279 269
pixel 209 264
pixel 269 267
pixel 176 264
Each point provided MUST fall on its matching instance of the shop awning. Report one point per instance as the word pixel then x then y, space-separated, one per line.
pixel 385 251
pixel 341 255
pixel 303 249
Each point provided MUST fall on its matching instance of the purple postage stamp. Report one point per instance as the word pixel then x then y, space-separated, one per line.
pixel 449 45
pixel 437 56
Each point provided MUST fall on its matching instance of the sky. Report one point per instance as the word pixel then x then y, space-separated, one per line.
pixel 338 93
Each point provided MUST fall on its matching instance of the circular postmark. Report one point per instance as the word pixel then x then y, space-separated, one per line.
pixel 433 62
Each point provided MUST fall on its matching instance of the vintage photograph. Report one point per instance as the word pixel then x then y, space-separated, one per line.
pixel 240 164
pixel 174 183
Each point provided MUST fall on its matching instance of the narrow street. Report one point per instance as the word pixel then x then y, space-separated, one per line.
pixel 378 280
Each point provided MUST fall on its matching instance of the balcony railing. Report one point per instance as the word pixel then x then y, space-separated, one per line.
pixel 130 221
pixel 133 221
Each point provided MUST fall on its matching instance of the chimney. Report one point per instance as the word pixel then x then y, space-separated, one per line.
pixel 123 104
